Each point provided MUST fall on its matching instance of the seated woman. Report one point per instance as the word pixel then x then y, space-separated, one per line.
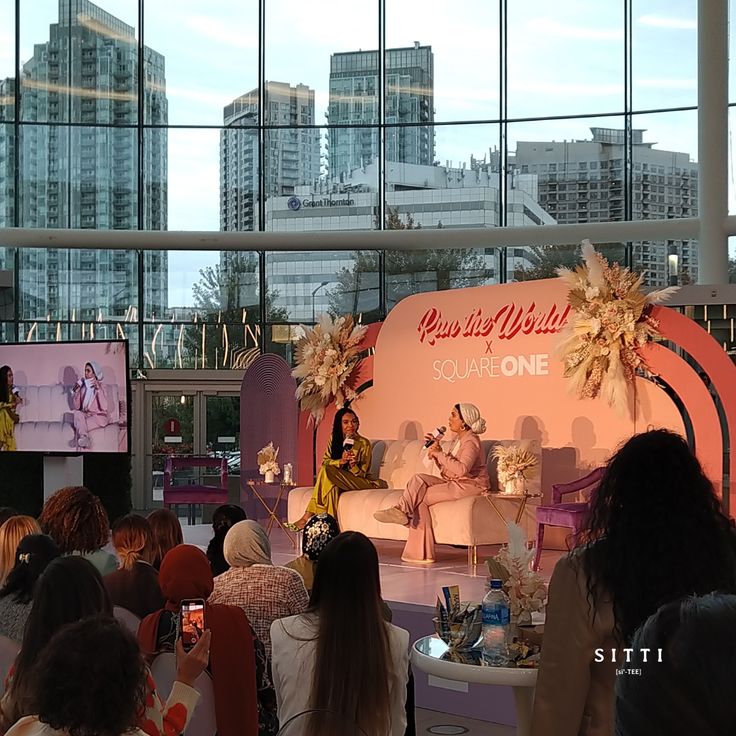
pixel 134 585
pixel 166 531
pixel 11 532
pixel 319 531
pixel 9 400
pixel 222 519
pixel 345 467
pixel 76 520
pixel 34 553
pixel 689 688
pixel 310 667
pixel 185 573
pixel 89 397
pixel 71 589
pixel 463 473
pixel 652 500
pixel 91 679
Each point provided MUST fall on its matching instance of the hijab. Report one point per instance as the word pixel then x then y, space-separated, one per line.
pixel 246 544
pixel 319 531
pixel 89 390
pixel 470 414
pixel 185 573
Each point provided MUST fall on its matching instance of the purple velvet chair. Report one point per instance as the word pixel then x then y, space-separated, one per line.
pixel 565 514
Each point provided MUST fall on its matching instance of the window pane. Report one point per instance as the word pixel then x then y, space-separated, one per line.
pixel 211 57
pixel 576 165
pixel 7 174
pixel 565 58
pixel 457 76
pixel 666 262
pixel 301 286
pixel 664 54
pixel 414 272
pixel 542 261
pixel 7 284
pixel 302 44
pixel 7 68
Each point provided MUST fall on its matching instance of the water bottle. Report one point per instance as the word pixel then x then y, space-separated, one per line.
pixel 496 620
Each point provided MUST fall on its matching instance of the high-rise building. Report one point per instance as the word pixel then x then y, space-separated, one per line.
pixel 583 181
pixel 291 154
pixel 354 101
pixel 86 175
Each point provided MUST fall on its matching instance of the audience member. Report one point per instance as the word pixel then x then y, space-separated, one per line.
pixel 685 684
pixel 166 533
pixel 71 589
pixel 185 574
pixel 319 531
pixel 81 693
pixel 311 665
pixel 135 585
pixel 11 532
pixel 34 553
pixel 652 499
pixel 77 521
pixel 265 592
pixel 223 518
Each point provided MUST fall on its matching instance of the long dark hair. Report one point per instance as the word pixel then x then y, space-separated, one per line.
pixel 68 590
pixel 652 497
pixel 347 596
pixel 337 435
pixel 34 553
pixel 222 519
pixel 4 388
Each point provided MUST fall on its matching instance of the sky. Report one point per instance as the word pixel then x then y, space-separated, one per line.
pixel 565 58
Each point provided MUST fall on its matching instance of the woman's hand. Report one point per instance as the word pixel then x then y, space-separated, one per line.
pixel 434 450
pixel 352 458
pixel 190 665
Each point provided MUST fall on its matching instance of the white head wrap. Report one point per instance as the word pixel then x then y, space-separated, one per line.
pixel 470 414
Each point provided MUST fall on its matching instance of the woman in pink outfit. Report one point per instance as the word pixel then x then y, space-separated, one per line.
pixel 90 404
pixel 463 473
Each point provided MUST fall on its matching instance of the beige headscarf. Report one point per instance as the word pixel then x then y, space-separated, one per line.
pixel 470 414
pixel 246 544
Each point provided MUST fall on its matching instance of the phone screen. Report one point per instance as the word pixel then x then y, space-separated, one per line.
pixel 191 622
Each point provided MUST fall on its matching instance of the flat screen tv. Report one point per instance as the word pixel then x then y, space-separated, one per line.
pixel 64 397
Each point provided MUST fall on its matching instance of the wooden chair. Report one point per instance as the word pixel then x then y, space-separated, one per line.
pixel 570 515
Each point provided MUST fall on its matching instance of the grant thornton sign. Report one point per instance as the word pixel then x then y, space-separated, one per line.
pixel 296 203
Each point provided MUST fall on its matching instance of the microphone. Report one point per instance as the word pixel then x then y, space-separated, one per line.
pixel 438 434
pixel 347 444
pixel 15 391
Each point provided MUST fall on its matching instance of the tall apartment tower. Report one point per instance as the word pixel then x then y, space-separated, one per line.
pixel 583 181
pixel 291 154
pixel 354 101
pixel 86 175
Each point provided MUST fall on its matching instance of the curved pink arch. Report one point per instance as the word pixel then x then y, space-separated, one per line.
pixel 715 362
pixel 697 399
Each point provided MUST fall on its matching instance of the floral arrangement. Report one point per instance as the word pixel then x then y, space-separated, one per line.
pixel 515 463
pixel 326 356
pixel 600 344
pixel 267 459
pixel 526 590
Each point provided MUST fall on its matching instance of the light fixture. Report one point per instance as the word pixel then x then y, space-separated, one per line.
pixel 183 399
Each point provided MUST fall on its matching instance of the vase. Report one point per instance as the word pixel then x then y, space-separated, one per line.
pixel 523 619
pixel 268 476
pixel 515 486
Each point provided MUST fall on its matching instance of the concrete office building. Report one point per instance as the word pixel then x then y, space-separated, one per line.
pixel 583 181
pixel 354 101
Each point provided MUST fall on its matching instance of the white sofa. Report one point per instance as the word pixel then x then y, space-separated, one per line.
pixel 46 422
pixel 466 521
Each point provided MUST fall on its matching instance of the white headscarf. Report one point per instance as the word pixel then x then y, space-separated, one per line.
pixel 470 414
pixel 89 390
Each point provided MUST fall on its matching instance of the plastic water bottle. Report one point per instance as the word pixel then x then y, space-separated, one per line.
pixel 496 620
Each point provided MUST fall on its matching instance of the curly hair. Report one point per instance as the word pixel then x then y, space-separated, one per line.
pixel 166 532
pixel 652 497
pixel 11 532
pixel 83 692
pixel 76 519
pixel 337 435
pixel 133 540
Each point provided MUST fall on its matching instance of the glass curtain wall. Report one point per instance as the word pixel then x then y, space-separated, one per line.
pixel 286 117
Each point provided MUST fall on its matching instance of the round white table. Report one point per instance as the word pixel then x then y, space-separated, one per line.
pixel 431 655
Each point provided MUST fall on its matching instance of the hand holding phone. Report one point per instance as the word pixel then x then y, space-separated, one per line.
pixel 191 622
pixel 190 665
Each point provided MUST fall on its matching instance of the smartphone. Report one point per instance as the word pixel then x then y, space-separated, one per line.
pixel 191 621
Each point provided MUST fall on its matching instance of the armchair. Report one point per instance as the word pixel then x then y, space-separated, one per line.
pixel 565 514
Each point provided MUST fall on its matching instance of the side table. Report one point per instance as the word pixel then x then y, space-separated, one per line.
pixel 269 496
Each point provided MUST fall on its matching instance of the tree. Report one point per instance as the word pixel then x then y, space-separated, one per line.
pixel 732 270
pixel 544 260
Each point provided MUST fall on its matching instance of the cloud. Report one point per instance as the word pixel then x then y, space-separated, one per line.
pixel 548 27
pixel 221 32
pixel 660 21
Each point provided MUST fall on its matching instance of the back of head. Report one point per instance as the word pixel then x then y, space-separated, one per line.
pixel 11 532
pixel 347 597
pixel 76 519
pixel 34 553
pixel 69 589
pixel 319 531
pixel 653 496
pixel 246 544
pixel 225 516
pixel 686 685
pixel 91 680
pixel 131 536
pixel 185 573
pixel 165 532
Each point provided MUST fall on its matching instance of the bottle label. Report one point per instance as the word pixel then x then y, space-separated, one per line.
pixel 496 615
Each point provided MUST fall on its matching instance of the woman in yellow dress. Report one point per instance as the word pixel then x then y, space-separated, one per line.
pixel 345 467
pixel 8 414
